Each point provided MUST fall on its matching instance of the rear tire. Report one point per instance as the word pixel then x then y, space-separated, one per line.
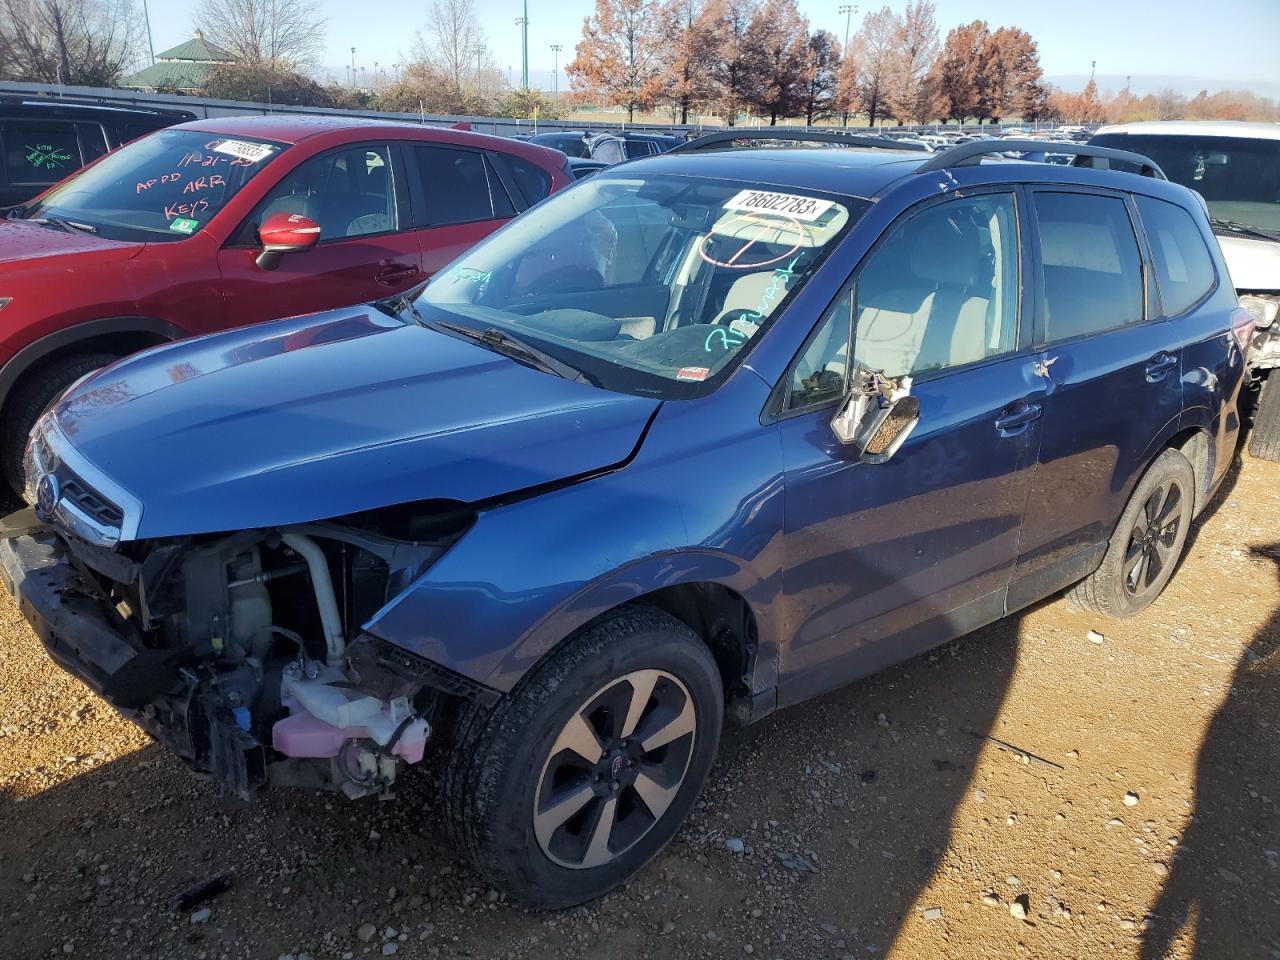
pixel 33 397
pixel 1264 437
pixel 1147 543
pixel 622 685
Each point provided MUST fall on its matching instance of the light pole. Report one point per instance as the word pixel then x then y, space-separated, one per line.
pixel 523 24
pixel 848 9
pixel 353 68
pixel 478 50
pixel 555 75
pixel 147 17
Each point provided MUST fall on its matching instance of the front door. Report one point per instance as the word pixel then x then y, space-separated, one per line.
pixel 1114 381
pixel 886 560
pixel 367 249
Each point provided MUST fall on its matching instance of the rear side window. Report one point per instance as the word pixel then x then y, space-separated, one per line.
pixel 608 151
pixel 460 187
pixel 1092 269
pixel 40 153
pixel 532 180
pixel 1184 268
pixel 93 142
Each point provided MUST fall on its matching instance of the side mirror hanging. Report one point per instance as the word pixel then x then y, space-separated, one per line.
pixel 877 416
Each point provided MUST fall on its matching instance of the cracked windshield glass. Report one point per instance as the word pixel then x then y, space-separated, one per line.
pixel 641 283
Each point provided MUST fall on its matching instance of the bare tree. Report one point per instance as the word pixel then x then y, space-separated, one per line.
pixel 878 44
pixel 689 35
pixel 915 50
pixel 455 42
pixel 822 76
pixel 84 42
pixel 731 67
pixel 778 42
pixel 278 34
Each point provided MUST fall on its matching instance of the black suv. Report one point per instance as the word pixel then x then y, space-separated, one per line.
pixel 43 141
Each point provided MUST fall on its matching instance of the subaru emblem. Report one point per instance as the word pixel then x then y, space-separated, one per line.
pixel 48 494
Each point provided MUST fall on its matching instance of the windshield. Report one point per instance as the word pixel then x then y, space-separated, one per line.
pixel 648 284
pixel 165 186
pixel 1238 177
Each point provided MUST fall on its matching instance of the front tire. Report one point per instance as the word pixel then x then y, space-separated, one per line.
pixel 1147 543
pixel 582 774
pixel 34 395
pixel 1264 435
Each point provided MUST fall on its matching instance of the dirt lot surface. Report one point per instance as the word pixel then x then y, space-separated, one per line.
pixel 1134 814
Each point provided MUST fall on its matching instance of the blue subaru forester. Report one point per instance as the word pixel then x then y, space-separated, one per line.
pixel 706 434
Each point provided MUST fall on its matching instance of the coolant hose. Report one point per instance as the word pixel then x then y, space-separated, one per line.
pixel 334 642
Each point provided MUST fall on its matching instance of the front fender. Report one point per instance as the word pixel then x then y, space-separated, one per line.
pixel 701 502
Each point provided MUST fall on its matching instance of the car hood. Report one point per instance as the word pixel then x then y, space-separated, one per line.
pixel 22 242
pixel 1254 264
pixel 330 414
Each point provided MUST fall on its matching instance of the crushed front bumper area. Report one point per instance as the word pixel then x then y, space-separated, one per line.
pixel 154 689
pixel 348 725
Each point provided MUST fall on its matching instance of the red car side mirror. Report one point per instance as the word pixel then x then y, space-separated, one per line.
pixel 283 233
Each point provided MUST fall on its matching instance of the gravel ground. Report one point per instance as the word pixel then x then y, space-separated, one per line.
pixel 1054 786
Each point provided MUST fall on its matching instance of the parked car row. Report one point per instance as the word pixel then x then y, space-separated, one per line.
pixel 224 223
pixel 702 436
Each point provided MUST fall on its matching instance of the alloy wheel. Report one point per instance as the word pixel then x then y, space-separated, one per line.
pixel 616 766
pixel 1152 539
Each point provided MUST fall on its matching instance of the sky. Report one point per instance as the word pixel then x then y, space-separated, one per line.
pixel 1180 43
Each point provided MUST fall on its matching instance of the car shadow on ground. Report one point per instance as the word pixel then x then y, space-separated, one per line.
pixel 1222 896
pixel 843 806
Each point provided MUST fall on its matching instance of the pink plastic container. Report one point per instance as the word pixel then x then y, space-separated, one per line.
pixel 301 734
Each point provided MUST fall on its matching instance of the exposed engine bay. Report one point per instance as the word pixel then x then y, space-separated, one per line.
pixel 244 652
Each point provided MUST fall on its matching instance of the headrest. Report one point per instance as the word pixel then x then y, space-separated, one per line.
pixel 946 251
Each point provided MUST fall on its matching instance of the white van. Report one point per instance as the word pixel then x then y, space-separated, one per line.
pixel 1235 167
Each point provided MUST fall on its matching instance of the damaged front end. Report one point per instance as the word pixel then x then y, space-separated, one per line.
pixel 242 652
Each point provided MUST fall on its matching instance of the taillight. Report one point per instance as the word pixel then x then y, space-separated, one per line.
pixel 1242 327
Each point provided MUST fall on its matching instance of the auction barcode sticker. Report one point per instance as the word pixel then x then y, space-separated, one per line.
pixel 243 149
pixel 786 204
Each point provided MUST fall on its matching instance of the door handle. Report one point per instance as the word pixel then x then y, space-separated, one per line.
pixel 395 273
pixel 1015 418
pixel 1159 366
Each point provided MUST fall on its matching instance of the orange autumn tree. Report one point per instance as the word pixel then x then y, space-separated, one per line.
pixel 620 55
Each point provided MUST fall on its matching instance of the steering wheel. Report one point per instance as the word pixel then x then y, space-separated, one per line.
pixel 571 279
pixel 740 313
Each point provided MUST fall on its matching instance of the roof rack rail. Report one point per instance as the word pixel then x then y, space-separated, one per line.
pixel 969 152
pixel 729 137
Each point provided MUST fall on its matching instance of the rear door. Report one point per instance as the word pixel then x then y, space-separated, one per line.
pixel 367 247
pixel 1112 368
pixel 458 199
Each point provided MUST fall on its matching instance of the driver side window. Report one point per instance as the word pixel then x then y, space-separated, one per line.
pixel 349 193
pixel 941 289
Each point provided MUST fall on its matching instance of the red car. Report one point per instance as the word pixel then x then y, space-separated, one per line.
pixel 227 222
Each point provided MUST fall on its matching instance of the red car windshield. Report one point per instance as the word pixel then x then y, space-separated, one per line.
pixel 165 186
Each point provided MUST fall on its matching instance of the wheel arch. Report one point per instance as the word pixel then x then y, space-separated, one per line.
pixel 123 335
pixel 1193 443
pixel 717 596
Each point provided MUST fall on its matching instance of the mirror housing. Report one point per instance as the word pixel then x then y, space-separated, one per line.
pixel 283 233
pixel 877 416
